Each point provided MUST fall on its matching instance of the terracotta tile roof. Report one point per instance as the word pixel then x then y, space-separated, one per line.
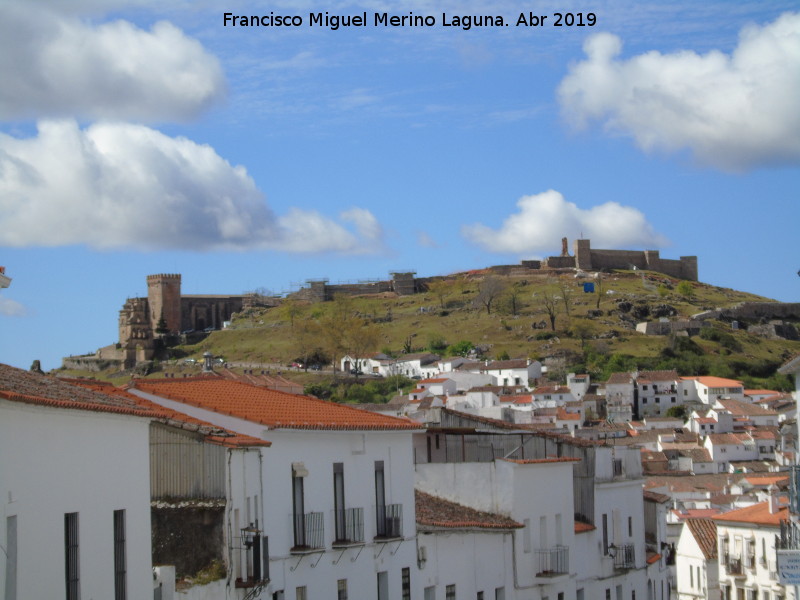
pixel 744 409
pixel 581 527
pixel 619 378
pixel 212 433
pixel 517 398
pixel 647 376
pixel 440 513
pixel 650 455
pixel 436 380
pixel 275 409
pixel 275 382
pixel 715 382
pixel 556 389
pixel 563 415
pixel 654 497
pixel 711 482
pixel 44 390
pixel 704 532
pixel 724 438
pixel 767 479
pixel 695 513
pixel 698 455
pixel 761 392
pixel 757 514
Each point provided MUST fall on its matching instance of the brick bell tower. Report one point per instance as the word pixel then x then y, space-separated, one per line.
pixel 164 300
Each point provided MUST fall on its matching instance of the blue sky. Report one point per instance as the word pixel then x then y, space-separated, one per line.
pixel 141 137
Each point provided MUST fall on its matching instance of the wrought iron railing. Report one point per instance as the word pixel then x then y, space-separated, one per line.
pixel 553 561
pixel 625 557
pixel 389 521
pixel 348 526
pixel 309 532
pixel 734 566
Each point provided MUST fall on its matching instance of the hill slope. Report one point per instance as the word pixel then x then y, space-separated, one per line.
pixel 545 317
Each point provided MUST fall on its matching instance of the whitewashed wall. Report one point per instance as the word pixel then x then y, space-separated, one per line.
pixel 57 461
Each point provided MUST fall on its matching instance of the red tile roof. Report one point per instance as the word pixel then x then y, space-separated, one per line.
pixel 758 514
pixel 32 388
pixel 277 410
pixel 744 409
pixel 551 389
pixel 704 532
pixel 647 376
pixel 438 512
pixel 714 382
pixel 581 527
pixel 213 434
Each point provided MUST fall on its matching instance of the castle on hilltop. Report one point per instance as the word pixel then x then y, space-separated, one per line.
pixel 144 323
pixel 166 312
pixel 588 259
pixel 585 258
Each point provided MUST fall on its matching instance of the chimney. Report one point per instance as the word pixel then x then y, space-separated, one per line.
pixel 773 499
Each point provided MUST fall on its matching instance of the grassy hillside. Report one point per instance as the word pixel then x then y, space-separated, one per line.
pixel 594 332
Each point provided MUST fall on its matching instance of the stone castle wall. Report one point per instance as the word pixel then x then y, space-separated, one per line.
pixel 164 301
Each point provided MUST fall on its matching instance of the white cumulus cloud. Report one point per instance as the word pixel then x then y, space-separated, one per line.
pixel 55 65
pixel 733 112
pixel 116 185
pixel 11 308
pixel 543 219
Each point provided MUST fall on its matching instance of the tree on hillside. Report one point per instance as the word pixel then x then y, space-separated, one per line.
pixel 566 296
pixel 685 289
pixel 441 289
pixel 583 330
pixel 291 309
pixel 491 288
pixel 462 348
pixel 306 340
pixel 513 297
pixel 362 338
pixel 598 288
pixel 550 304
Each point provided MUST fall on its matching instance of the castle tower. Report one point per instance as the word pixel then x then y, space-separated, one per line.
pixel 164 300
pixel 583 255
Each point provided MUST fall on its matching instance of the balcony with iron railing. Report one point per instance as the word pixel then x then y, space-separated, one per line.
pixel 734 566
pixel 348 527
pixel 309 532
pixel 389 522
pixel 624 556
pixel 552 562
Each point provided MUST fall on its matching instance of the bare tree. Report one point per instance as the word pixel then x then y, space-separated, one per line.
pixel 490 289
pixel 514 298
pixel 441 289
pixel 599 288
pixel 566 296
pixel 550 303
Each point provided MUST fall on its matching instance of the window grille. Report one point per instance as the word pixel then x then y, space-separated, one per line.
pixel 72 563
pixel 120 562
